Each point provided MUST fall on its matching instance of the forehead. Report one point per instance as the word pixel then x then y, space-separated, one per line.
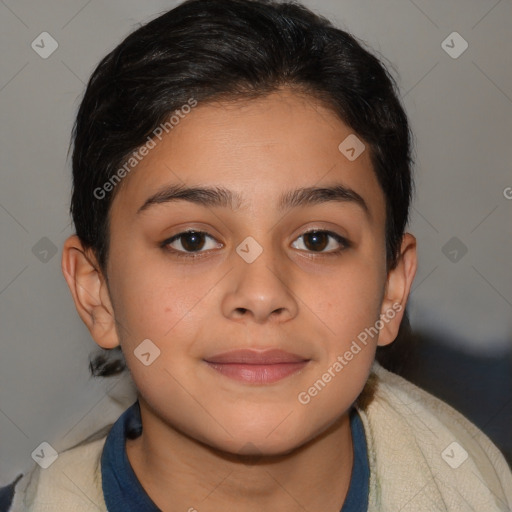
pixel 257 148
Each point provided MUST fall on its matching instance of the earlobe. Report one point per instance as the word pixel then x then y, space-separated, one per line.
pixel 89 291
pixel 398 287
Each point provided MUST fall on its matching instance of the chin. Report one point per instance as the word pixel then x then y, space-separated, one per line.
pixel 255 449
pixel 254 443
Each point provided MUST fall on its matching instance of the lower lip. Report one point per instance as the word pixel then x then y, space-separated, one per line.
pixel 258 373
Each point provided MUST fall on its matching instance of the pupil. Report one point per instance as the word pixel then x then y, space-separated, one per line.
pixel 320 240
pixel 192 241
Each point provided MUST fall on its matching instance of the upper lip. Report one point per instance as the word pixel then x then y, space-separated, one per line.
pixel 247 356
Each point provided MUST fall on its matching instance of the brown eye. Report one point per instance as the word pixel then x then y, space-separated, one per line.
pixel 316 240
pixel 190 241
pixel 319 240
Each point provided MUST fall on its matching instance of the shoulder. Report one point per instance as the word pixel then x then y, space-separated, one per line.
pixel 423 452
pixel 72 482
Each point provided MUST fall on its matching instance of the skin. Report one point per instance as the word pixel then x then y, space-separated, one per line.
pixel 199 427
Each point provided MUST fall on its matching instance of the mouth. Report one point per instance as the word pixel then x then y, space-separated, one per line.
pixel 257 367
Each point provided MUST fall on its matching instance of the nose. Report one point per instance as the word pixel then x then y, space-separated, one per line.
pixel 260 291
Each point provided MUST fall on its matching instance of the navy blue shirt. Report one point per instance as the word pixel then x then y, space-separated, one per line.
pixel 124 493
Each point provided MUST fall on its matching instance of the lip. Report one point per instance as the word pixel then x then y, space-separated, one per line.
pixel 248 356
pixel 257 367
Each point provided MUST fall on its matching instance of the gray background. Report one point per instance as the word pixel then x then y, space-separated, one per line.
pixel 461 113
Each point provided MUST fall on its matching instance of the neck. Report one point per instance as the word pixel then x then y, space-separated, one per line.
pixel 188 475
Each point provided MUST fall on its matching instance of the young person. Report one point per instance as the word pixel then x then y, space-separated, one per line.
pixel 241 188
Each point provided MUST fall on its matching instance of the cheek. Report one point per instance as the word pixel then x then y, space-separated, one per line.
pixel 147 301
pixel 349 305
pixel 164 304
pixel 347 301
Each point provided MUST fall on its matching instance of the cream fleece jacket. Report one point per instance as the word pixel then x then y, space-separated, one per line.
pixel 424 457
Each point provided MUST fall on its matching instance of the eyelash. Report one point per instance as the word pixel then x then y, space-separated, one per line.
pixel 345 244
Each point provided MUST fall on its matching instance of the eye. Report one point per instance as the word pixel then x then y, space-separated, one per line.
pixel 318 241
pixel 191 242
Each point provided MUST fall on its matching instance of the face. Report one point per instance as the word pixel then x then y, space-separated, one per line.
pixel 251 311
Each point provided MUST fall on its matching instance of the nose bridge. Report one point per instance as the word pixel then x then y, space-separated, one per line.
pixel 261 285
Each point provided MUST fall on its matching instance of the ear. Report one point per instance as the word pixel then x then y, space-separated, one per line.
pixel 398 287
pixel 90 293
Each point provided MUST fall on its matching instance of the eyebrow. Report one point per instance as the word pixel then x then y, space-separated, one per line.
pixel 223 197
